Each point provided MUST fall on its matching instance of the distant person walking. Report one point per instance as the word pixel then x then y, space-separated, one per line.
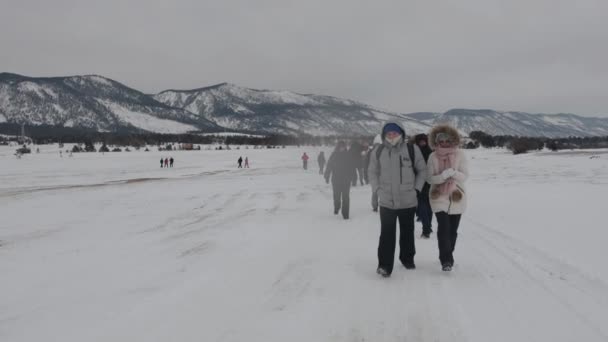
pixel 171 161
pixel 321 161
pixel 365 150
pixel 166 162
pixel 424 211
pixel 356 152
pixel 240 161
pixel 305 161
pixel 373 154
pixel 162 161
pixel 246 162
pixel 447 173
pixel 340 169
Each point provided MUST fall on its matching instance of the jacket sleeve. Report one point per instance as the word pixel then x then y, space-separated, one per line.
pixel 463 169
pixel 430 168
pixel 420 166
pixel 373 170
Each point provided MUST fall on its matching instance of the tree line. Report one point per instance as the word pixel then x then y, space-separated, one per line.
pixel 45 134
pixel 524 144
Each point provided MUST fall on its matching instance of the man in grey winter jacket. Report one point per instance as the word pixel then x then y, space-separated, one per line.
pixel 397 172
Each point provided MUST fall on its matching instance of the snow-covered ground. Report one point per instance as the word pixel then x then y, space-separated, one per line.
pixel 113 248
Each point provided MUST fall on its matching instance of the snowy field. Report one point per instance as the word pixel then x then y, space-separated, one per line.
pixel 113 248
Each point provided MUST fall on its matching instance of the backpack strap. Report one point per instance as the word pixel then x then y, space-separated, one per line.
pixel 410 150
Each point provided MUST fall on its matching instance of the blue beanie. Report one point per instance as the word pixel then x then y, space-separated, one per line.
pixel 392 127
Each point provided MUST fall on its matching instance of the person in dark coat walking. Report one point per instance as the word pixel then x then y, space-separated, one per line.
pixel 161 162
pixel 166 162
pixel 240 161
pixel 364 163
pixel 321 161
pixel 424 212
pixel 340 170
pixel 355 152
pixel 171 161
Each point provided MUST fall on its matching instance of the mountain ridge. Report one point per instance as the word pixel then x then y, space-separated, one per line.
pixel 96 102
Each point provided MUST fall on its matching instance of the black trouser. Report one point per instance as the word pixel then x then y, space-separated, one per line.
pixel 342 197
pixel 388 237
pixel 321 167
pixel 425 213
pixel 305 164
pixel 447 232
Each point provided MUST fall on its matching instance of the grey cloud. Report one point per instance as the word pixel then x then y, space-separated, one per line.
pixel 427 55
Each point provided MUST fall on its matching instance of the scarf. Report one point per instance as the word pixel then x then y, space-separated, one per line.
pixel 446 158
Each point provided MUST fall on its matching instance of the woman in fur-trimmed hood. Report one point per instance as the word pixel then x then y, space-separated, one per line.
pixel 447 173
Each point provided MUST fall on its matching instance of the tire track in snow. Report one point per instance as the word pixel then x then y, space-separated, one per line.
pixel 292 283
pixel 544 279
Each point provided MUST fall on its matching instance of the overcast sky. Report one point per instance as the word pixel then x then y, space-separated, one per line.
pixel 424 55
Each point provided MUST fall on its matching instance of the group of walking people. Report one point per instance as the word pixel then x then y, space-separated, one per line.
pixel 167 162
pixel 420 178
pixel 240 162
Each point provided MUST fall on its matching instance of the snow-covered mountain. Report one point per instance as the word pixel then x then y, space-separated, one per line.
pixel 92 102
pixel 284 112
pixel 99 103
pixel 518 123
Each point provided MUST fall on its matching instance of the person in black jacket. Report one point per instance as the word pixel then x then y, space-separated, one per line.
pixel 341 170
pixel 321 161
pixel 355 152
pixel 424 212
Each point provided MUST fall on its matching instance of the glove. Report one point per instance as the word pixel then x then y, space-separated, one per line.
pixel 448 173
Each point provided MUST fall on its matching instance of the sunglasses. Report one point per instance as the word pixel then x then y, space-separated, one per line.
pixel 443 138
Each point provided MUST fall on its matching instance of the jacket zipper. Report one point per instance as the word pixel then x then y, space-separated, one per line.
pixel 400 170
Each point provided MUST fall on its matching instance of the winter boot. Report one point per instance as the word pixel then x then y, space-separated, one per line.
pixel 381 271
pixel 409 265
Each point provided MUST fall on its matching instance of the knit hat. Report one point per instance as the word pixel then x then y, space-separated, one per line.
pixel 391 127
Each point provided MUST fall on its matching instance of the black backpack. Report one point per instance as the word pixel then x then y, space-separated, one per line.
pixel 410 150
